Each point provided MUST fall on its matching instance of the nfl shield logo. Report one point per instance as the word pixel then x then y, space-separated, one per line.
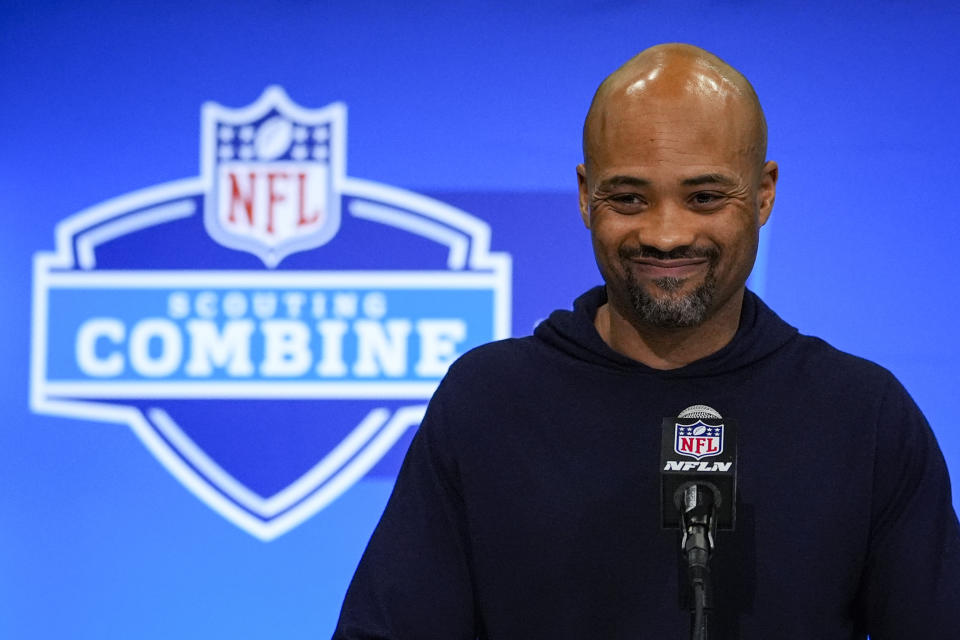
pixel 273 172
pixel 698 440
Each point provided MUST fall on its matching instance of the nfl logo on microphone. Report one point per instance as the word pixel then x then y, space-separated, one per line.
pixel 698 440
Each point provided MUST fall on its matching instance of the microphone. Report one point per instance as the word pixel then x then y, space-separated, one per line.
pixel 698 484
pixel 698 454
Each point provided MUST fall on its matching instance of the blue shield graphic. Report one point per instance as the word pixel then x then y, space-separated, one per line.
pixel 268 368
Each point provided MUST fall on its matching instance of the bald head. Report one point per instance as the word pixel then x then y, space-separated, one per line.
pixel 678 79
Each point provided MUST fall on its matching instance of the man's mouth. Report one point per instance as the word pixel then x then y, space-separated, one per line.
pixel 680 268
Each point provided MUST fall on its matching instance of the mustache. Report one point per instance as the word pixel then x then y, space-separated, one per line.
pixel 678 253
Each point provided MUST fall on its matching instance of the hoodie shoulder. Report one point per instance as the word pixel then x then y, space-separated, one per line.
pixel 817 357
pixel 494 360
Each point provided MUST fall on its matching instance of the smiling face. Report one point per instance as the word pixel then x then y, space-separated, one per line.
pixel 674 190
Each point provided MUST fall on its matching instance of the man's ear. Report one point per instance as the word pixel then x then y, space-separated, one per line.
pixel 767 192
pixel 584 195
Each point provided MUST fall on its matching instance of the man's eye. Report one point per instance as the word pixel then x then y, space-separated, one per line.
pixel 630 199
pixel 705 198
pixel 626 203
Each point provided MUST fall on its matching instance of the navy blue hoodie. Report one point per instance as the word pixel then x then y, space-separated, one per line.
pixel 528 504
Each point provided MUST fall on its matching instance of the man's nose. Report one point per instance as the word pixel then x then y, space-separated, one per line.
pixel 666 226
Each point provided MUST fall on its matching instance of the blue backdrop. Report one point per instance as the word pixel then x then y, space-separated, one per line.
pixel 480 107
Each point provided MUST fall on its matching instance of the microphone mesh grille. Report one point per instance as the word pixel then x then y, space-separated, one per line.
pixel 699 411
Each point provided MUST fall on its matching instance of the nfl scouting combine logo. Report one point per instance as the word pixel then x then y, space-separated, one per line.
pixel 271 328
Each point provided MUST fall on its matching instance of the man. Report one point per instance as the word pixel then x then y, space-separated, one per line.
pixel 528 504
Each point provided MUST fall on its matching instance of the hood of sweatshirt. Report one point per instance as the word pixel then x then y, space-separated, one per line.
pixel 760 333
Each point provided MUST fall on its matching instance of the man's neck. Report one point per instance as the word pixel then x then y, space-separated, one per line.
pixel 669 348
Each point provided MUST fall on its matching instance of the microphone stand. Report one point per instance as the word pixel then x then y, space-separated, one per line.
pixel 697 503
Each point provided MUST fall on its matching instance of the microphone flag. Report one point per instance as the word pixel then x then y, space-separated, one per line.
pixel 699 450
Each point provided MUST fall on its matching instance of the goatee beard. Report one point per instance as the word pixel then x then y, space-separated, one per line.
pixel 672 310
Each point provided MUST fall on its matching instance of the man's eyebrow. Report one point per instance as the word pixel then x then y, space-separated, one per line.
pixel 710 178
pixel 623 181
